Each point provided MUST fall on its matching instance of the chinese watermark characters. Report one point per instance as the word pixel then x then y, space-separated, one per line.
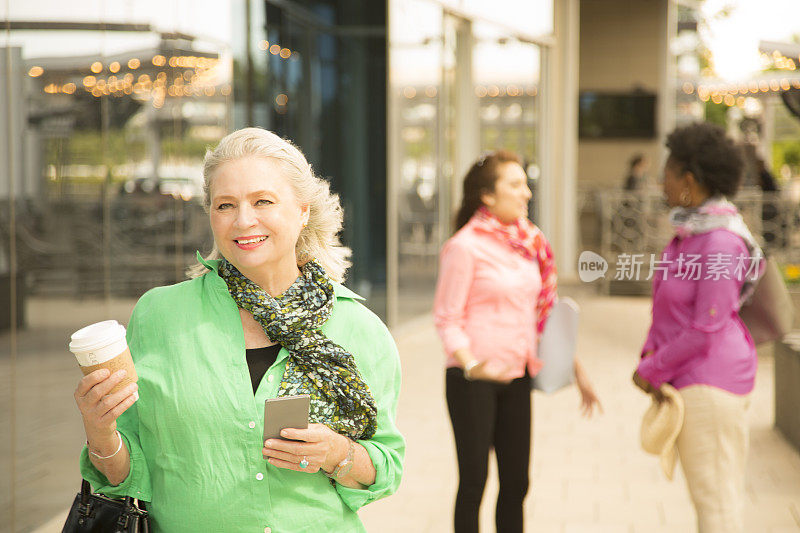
pixel 689 267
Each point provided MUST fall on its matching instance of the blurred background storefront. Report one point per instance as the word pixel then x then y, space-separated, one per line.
pixel 465 79
pixel 392 101
pixel 107 109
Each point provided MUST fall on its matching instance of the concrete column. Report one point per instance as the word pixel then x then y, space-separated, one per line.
pixel 668 75
pixel 787 396
pixel 558 196
pixel 466 122
pixel 12 119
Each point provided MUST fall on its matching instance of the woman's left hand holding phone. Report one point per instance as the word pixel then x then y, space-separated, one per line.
pixel 322 447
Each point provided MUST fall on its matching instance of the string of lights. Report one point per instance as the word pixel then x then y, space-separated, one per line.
pixel 481 91
pixel 276 50
pixel 182 76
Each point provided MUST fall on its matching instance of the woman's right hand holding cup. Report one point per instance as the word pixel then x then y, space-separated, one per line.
pixel 100 408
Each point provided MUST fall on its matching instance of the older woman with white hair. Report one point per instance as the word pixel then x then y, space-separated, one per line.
pixel 265 315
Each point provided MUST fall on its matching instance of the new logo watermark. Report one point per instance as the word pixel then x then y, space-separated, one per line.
pixel 591 266
pixel 632 267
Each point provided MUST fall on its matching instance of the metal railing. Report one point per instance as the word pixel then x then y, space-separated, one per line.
pixel 152 241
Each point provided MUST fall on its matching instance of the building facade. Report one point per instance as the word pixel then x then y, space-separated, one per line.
pixel 106 124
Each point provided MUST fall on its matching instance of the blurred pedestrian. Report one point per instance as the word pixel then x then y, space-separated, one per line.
pixel 697 342
pixel 766 181
pixel 496 286
pixel 637 169
pixel 773 226
pixel 266 316
pixel 627 220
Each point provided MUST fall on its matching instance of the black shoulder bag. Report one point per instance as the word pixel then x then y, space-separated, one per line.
pixel 95 513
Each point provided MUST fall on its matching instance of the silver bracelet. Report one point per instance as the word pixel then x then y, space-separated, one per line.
pixel 107 456
pixel 344 467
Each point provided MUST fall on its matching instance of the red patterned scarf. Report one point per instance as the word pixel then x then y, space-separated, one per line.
pixel 528 240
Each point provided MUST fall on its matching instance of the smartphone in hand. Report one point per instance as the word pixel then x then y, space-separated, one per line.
pixel 285 412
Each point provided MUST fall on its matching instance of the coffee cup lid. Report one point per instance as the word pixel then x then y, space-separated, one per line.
pixel 96 336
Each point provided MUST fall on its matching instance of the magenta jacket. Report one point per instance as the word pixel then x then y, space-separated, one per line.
pixel 696 335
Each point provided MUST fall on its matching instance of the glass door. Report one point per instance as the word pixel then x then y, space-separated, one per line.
pixel 415 154
pixel 458 89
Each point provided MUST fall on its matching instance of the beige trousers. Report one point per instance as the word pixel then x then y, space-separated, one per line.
pixel 712 447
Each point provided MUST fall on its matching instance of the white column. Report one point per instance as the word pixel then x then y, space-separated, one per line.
pixel 466 122
pixel 548 164
pixel 12 122
pixel 558 202
pixel 668 76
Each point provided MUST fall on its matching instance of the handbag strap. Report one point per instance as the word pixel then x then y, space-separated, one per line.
pixel 86 492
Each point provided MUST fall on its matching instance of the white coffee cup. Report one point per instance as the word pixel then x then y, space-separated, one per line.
pixel 103 345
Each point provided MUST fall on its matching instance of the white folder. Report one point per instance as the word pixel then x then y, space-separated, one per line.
pixel 557 347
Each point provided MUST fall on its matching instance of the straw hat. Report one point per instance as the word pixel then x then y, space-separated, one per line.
pixel 660 428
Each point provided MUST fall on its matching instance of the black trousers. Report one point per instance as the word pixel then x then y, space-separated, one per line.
pixel 486 415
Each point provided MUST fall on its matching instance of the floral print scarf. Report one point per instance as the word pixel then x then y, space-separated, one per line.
pixel 317 366
pixel 529 241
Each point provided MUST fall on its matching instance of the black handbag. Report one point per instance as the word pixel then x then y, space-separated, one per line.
pixel 95 513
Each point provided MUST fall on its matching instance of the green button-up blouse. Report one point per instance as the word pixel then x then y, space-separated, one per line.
pixel 195 434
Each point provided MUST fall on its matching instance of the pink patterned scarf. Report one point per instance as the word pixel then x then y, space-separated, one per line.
pixel 529 241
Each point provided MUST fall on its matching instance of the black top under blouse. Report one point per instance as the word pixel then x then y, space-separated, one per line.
pixel 259 360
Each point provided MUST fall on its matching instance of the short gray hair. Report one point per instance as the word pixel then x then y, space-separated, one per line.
pixel 320 238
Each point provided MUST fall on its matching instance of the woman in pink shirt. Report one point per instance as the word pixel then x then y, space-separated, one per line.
pixel 497 283
pixel 697 341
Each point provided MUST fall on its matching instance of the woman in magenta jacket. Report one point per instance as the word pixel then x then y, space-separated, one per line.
pixel 497 283
pixel 697 341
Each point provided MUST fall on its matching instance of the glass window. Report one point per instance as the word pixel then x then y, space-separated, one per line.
pixel 458 87
pixel 533 17
pixel 107 131
pixel 317 75
pixel 506 81
pixel 415 164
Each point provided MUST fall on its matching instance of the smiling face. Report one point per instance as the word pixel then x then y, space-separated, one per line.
pixel 256 217
pixel 509 200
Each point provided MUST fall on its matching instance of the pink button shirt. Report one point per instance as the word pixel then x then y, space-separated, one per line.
pixel 486 302
pixel 697 336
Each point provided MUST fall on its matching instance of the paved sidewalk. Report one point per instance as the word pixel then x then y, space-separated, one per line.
pixel 587 475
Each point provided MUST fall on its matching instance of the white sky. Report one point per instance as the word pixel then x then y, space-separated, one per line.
pixel 734 40
pixel 202 18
